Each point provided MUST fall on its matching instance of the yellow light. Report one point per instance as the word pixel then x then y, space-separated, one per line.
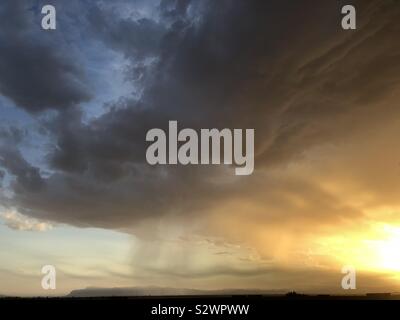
pixel 388 249
pixel 376 249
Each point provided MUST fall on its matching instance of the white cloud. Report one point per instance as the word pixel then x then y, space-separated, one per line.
pixel 17 221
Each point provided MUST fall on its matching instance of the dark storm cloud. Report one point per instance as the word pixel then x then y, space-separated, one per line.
pixel 28 177
pixel 144 34
pixel 34 70
pixel 284 68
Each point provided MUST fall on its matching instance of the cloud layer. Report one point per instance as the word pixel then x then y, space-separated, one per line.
pixel 313 92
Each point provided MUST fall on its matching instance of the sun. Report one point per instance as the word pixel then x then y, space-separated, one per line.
pixel 388 249
pixel 376 249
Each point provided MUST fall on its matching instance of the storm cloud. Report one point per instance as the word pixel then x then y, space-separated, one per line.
pixel 34 72
pixel 285 68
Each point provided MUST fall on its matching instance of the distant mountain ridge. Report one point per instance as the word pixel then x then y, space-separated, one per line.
pixel 163 291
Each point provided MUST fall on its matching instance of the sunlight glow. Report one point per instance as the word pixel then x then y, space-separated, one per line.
pixel 388 249
pixel 375 250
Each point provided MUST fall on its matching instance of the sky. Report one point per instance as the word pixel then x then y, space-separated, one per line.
pixel 76 103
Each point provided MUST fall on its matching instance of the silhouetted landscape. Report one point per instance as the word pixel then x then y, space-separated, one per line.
pixel 184 293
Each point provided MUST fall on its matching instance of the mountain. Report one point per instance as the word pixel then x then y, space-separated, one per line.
pixel 162 291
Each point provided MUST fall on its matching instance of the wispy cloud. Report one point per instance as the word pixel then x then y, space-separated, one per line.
pixel 17 221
